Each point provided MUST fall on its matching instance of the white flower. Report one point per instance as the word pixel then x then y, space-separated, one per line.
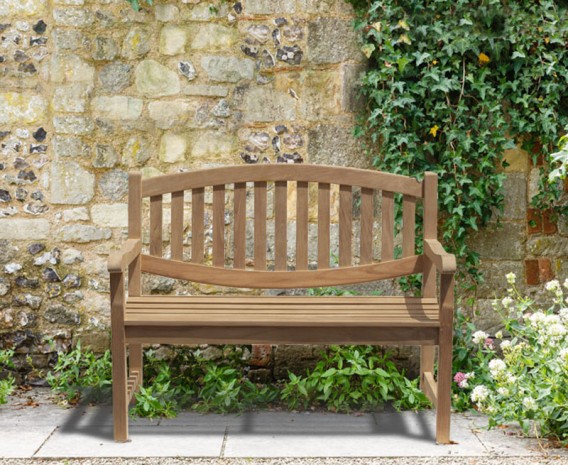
pixel 563 313
pixel 463 383
pixel 507 301
pixel 552 319
pixel 511 277
pixel 556 330
pixel 566 283
pixel 479 393
pixel 563 356
pixel 505 345
pixel 497 367
pixel 499 335
pixel 552 285
pixel 503 391
pixel 470 375
pixel 529 403
pixel 537 318
pixel 479 337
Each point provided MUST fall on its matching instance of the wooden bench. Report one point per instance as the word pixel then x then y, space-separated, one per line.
pixel 147 319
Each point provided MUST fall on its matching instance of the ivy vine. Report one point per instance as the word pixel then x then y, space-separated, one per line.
pixel 452 84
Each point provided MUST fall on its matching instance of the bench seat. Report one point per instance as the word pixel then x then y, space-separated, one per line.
pixel 158 310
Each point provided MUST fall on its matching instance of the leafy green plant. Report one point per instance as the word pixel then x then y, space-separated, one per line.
pixel 529 381
pixel 451 85
pixel 353 377
pixel 8 384
pixel 78 370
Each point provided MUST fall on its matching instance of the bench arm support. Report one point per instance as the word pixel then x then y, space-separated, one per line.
pixel 118 261
pixel 444 262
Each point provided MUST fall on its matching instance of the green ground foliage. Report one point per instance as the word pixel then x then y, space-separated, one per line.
pixel 450 85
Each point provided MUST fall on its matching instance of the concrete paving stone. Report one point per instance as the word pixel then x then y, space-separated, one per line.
pixel 145 441
pixel 22 442
pixel 384 434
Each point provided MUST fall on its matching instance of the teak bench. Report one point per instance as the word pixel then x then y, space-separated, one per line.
pixel 147 319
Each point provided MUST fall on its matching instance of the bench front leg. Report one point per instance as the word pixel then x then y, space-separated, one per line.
pixel 118 349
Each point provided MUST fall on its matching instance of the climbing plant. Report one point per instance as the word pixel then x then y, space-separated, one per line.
pixel 452 84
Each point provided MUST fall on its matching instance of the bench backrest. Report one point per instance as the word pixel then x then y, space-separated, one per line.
pixel 235 188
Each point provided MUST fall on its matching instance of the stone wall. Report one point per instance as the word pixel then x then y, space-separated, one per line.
pixel 90 90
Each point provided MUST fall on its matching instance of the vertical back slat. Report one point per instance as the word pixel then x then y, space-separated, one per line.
pixel 197 224
pixel 260 225
pixel 134 229
pixel 387 208
pixel 323 225
pixel 302 226
pixel 177 226
pixel 345 224
pixel 280 224
pixel 366 226
pixel 156 225
pixel 219 225
pixel 239 222
pixel 430 230
pixel 408 223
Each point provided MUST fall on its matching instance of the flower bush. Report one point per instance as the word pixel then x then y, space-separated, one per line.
pixel 527 378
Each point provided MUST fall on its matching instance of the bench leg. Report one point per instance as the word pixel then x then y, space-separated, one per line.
pixel 427 354
pixel 119 387
pixel 136 359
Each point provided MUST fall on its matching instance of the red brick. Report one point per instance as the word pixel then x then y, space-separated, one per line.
pixel 549 219
pixel 534 221
pixel 545 270
pixel 537 158
pixel 538 271
pixel 261 355
pixel 531 272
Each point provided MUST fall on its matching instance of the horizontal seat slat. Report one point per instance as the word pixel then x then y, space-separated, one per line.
pixel 289 300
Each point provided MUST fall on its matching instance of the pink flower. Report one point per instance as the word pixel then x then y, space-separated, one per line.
pixel 459 377
pixel 488 344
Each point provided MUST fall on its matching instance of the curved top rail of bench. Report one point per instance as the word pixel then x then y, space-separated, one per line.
pixel 281 172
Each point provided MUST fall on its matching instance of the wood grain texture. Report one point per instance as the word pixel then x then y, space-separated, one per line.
pixel 430 387
pixel 366 234
pixel 302 225
pixel 239 225
pixel 430 196
pixel 134 229
pixel 177 225
pixel 130 250
pixel 408 225
pixel 156 224
pixel 277 172
pixel 387 242
pixel 280 225
pixel 260 225
pixel 345 225
pixel 323 225
pixel 219 225
pixel 281 279
pixel 197 225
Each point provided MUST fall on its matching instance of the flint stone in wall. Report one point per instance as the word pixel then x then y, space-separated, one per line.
pixel 83 233
pixel 155 80
pixel 7 251
pixel 71 184
pixel 24 229
pixel 60 314
pixel 18 108
pixel 227 68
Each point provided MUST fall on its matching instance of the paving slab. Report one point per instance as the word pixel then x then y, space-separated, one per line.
pixel 22 442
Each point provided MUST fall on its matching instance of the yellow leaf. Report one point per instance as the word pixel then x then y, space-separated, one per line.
pixel 547 40
pixel 404 39
pixel 404 25
pixel 434 62
pixel 377 26
pixel 434 130
pixel 483 59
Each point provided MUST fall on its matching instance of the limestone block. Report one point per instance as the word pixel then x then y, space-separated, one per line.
pixel 334 145
pixel 76 214
pixel 71 39
pixel 104 48
pixel 24 229
pixel 136 152
pixel 117 107
pixel 263 104
pixel 321 94
pixel 71 184
pixel 495 284
pixel 506 242
pixel 333 40
pixel 71 68
pixel 213 145
pixel 114 184
pixel 206 11
pixel 172 40
pixel 110 215
pixel 172 148
pixel 115 77
pixel 77 125
pixel 137 42
pixel 23 7
pixel 82 233
pixel 316 6
pixel 166 13
pixel 267 7
pixel 517 159
pixel 206 91
pixel 227 68
pixel 214 37
pixel 76 17
pixel 352 100
pixel 71 98
pixel 19 108
pixel 554 246
pixel 515 202
pixel 155 80
pixel 105 156
pixel 168 113
pixel 70 147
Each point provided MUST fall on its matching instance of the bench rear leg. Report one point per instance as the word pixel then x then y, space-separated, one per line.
pixel 444 383
pixel 136 359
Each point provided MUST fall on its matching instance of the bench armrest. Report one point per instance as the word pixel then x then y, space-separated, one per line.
pixel 443 261
pixel 118 261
